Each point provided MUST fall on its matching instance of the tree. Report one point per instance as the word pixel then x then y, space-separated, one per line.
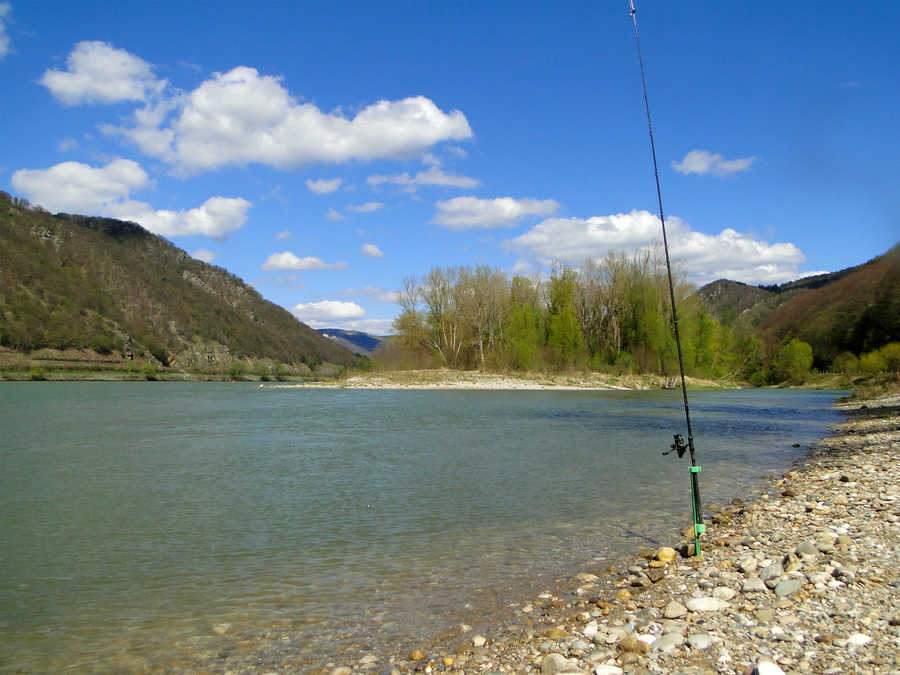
pixel 793 361
pixel 564 336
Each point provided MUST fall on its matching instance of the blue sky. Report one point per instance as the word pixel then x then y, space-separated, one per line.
pixel 323 151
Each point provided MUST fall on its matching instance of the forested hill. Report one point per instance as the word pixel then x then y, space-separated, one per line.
pixel 71 281
pixel 853 310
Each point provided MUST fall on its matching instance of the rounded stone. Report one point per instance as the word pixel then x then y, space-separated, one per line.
pixel 554 663
pixel 674 610
pixel 666 554
pixel 706 604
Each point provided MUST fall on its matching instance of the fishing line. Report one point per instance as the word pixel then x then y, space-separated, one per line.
pixel 678 446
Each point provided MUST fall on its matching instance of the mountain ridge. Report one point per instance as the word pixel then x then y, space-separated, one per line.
pixel 73 281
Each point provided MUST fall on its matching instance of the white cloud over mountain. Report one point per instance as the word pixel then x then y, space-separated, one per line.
pixel 97 72
pixel 462 213
pixel 204 254
pixel 215 218
pixel 80 188
pixel 703 162
pixel 324 313
pixel 703 257
pixel 288 261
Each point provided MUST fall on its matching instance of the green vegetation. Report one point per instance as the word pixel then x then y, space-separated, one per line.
pixel 79 283
pixel 612 316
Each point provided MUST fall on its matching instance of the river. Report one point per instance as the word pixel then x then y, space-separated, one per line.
pixel 153 525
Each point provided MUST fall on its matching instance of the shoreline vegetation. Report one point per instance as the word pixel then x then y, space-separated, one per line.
pixel 86 365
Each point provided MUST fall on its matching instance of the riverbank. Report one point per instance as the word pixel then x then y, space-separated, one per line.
pixel 475 380
pixel 805 579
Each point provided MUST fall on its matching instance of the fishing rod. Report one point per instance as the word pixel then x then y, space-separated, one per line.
pixel 679 445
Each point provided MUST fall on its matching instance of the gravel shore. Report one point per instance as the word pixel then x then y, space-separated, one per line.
pixel 804 580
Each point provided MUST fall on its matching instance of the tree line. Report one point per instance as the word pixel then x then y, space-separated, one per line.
pixel 612 314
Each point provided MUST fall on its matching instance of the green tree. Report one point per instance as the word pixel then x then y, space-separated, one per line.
pixel 793 361
pixel 564 336
pixel 846 362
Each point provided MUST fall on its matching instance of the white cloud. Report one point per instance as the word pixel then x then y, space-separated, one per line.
pixel 470 212
pixel 241 117
pixel 5 43
pixel 703 161
pixel 288 261
pixel 215 218
pixel 333 214
pixel 371 251
pixel 432 176
pixel 370 326
pixel 97 72
pixel 321 186
pixel 327 311
pixel 368 207
pixel 79 188
pixel 284 234
pixel 703 257
pixel 204 255
pixel 380 294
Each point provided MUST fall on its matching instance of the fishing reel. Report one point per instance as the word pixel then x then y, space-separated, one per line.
pixel 678 446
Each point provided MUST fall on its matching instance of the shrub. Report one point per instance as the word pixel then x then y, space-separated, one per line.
pixel 846 362
pixel 873 362
pixel 891 355
pixel 37 373
pixel 236 370
pixel 102 344
pixel 149 371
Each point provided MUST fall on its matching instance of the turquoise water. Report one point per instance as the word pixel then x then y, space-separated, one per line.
pixel 153 525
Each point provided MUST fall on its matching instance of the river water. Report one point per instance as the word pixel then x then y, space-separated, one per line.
pixel 155 525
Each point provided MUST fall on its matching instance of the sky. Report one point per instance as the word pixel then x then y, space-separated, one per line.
pixel 323 151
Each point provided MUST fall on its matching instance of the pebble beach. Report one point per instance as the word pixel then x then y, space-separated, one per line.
pixel 803 580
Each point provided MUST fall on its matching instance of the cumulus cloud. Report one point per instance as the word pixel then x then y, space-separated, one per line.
pixel 471 212
pixel 368 207
pixel 204 255
pixel 215 218
pixel 371 251
pixel 334 214
pixel 324 313
pixel 703 257
pixel 79 188
pixel 321 186
pixel 288 261
pixel 432 176
pixel 5 44
pixel 97 72
pixel 703 161
pixel 242 117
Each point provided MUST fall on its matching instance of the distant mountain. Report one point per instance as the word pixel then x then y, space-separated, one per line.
pixel 69 281
pixel 855 309
pixel 354 340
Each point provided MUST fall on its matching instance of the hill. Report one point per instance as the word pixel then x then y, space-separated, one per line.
pixel 856 309
pixel 69 281
pixel 353 340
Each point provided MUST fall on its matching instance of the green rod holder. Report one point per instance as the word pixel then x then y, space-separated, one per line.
pixel 699 527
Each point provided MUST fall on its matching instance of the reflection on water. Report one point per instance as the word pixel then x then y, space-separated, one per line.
pixel 160 524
